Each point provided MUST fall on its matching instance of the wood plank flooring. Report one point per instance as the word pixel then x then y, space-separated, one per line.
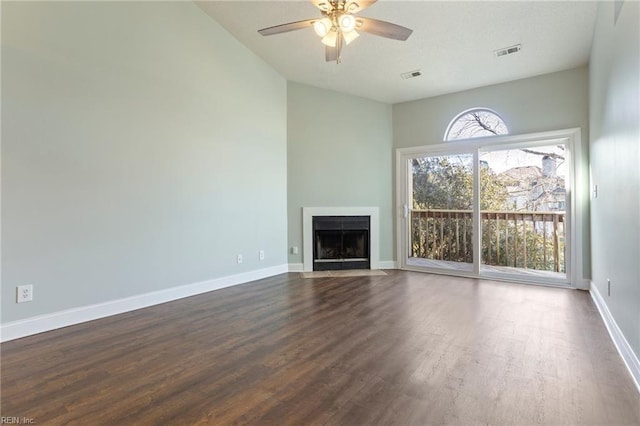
pixel 405 348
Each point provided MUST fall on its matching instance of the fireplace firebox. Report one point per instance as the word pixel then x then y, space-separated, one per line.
pixel 341 242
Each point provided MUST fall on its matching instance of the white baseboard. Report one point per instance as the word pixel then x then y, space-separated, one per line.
pixel 624 349
pixel 388 264
pixel 583 284
pixel 26 327
pixel 296 267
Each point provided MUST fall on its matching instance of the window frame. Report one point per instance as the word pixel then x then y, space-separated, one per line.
pixel 576 216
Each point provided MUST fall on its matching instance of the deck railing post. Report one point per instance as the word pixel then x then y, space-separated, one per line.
pixel 544 243
pixel 556 259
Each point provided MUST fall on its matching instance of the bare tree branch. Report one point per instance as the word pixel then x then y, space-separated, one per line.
pixel 478 120
pixel 548 154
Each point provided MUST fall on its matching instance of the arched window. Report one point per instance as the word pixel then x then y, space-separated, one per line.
pixel 475 123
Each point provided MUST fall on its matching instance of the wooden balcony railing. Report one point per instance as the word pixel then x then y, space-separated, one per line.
pixel 530 240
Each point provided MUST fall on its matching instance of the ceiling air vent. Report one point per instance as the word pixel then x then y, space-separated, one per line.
pixel 411 74
pixel 507 50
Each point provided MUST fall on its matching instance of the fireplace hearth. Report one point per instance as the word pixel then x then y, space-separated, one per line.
pixel 341 242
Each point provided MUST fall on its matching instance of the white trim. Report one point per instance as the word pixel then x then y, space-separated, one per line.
pixel 506 141
pixel 477 219
pixel 622 345
pixel 580 199
pixel 583 284
pixel 307 230
pixel 401 208
pixel 26 327
pixel 387 264
pixel 507 278
pixel 296 267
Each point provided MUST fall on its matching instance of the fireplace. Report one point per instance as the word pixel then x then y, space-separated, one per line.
pixel 341 242
pixel 308 243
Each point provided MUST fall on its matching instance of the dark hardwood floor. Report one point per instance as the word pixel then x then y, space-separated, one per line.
pixel 406 348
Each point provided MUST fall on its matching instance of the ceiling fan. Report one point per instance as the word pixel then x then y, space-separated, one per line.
pixel 339 26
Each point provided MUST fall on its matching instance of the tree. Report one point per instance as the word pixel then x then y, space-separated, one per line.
pixel 441 222
pixel 444 184
pixel 447 183
pixel 477 123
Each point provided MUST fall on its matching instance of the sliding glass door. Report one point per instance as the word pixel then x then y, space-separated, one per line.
pixel 523 199
pixel 440 207
pixel 498 208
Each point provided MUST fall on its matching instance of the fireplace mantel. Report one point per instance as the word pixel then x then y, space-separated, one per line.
pixel 307 230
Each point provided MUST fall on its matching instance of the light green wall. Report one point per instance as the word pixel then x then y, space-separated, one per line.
pixel 339 154
pixel 615 163
pixel 142 148
pixel 549 102
pixel 537 104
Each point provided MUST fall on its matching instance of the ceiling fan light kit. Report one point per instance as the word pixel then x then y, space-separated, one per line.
pixel 338 26
pixel 350 36
pixel 347 23
pixel 322 27
pixel 330 39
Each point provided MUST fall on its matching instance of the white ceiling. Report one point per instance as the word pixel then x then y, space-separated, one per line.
pixel 452 43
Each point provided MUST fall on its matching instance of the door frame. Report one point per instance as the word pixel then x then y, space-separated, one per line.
pixel 575 189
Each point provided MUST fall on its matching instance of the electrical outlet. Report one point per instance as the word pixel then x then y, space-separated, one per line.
pixel 24 293
pixel 261 255
pixel 239 258
pixel 294 250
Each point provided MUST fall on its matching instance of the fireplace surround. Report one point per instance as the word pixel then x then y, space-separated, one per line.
pixel 308 213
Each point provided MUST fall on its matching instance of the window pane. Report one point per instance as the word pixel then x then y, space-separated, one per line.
pixel 442 212
pixel 476 123
pixel 523 201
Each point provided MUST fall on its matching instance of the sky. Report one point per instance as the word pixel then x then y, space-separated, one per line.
pixel 501 160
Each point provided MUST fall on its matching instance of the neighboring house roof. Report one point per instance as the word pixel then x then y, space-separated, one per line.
pixel 524 173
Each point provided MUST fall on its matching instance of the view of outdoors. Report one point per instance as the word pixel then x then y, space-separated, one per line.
pixel 522 203
pixel 522 208
pixel 476 123
pixel 441 217
pixel 523 200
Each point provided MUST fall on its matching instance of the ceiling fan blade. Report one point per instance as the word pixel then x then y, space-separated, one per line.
pixel 356 6
pixel 334 53
pixel 331 54
pixel 382 28
pixel 283 28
